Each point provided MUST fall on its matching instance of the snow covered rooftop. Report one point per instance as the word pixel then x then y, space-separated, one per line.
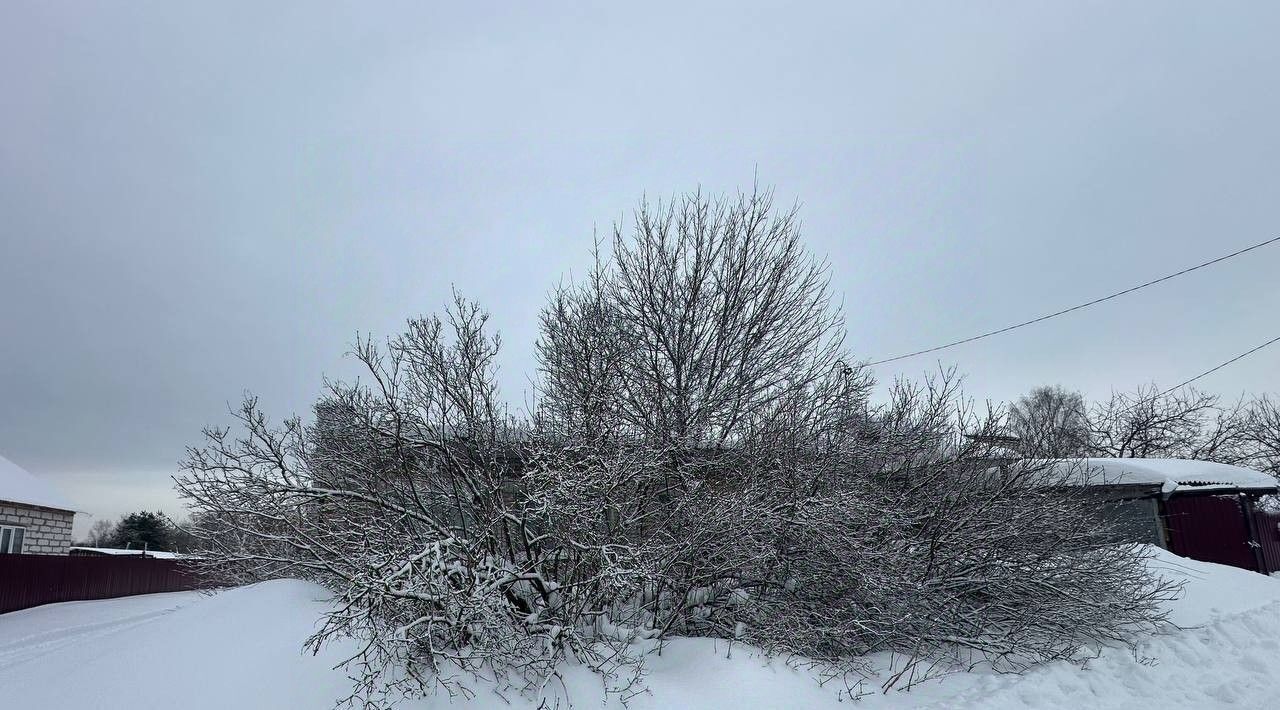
pixel 1169 474
pixel 19 486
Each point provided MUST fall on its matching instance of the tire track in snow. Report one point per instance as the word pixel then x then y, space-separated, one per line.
pixel 15 652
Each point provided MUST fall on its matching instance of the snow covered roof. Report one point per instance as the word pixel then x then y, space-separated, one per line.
pixel 1170 475
pixel 19 486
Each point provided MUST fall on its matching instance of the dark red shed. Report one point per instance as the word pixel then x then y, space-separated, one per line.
pixel 1199 509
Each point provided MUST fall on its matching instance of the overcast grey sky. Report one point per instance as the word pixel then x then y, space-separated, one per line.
pixel 198 200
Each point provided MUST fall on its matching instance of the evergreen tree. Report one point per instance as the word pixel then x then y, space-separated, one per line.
pixel 143 530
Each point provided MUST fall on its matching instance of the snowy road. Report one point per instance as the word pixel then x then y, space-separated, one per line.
pixel 241 650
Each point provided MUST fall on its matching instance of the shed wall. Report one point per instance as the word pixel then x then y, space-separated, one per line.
pixel 1139 519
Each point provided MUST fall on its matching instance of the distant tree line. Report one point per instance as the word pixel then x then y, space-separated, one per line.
pixel 1187 423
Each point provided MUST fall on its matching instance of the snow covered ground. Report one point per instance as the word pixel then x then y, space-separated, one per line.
pixel 241 650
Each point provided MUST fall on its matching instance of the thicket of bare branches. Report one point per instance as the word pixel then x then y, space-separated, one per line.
pixel 916 545
pixel 401 499
pixel 803 519
pixel 703 460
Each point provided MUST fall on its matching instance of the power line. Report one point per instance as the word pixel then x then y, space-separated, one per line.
pixel 1212 370
pixel 1139 400
pixel 1094 302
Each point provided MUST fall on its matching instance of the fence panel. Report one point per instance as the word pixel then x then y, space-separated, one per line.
pixel 1210 528
pixel 32 580
pixel 1268 526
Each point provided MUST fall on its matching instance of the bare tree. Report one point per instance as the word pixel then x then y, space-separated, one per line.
pixel 581 351
pixel 100 534
pixel 705 336
pixel 707 317
pixel 1185 423
pixel 1050 422
pixel 1263 434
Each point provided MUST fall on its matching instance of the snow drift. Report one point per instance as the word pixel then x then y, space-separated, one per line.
pixel 241 649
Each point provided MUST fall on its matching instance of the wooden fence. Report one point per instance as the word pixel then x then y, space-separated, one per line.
pixel 32 580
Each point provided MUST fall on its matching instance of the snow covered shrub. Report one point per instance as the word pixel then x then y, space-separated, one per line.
pixel 702 459
pixel 933 546
pixel 402 498
pixel 776 503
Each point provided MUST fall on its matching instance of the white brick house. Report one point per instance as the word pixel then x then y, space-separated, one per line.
pixel 34 518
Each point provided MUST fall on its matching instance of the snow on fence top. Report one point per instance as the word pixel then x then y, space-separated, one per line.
pixel 121 552
pixel 18 486
pixel 1170 475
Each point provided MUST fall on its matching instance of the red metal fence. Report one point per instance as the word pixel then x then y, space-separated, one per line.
pixel 32 580
pixel 1268 526
pixel 1209 528
pixel 1214 528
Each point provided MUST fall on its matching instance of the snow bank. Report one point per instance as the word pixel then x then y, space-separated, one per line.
pixel 1213 592
pixel 1225 664
pixel 241 650
pixel 1222 657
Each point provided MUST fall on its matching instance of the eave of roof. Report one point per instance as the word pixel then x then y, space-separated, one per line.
pixel 1171 476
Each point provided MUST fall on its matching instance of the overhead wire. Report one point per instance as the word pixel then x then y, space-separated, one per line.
pixel 1081 306
pixel 1212 370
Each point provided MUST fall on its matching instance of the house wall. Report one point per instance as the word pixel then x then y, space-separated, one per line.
pixel 48 531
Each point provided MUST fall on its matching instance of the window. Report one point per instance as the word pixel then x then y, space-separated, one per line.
pixel 11 539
